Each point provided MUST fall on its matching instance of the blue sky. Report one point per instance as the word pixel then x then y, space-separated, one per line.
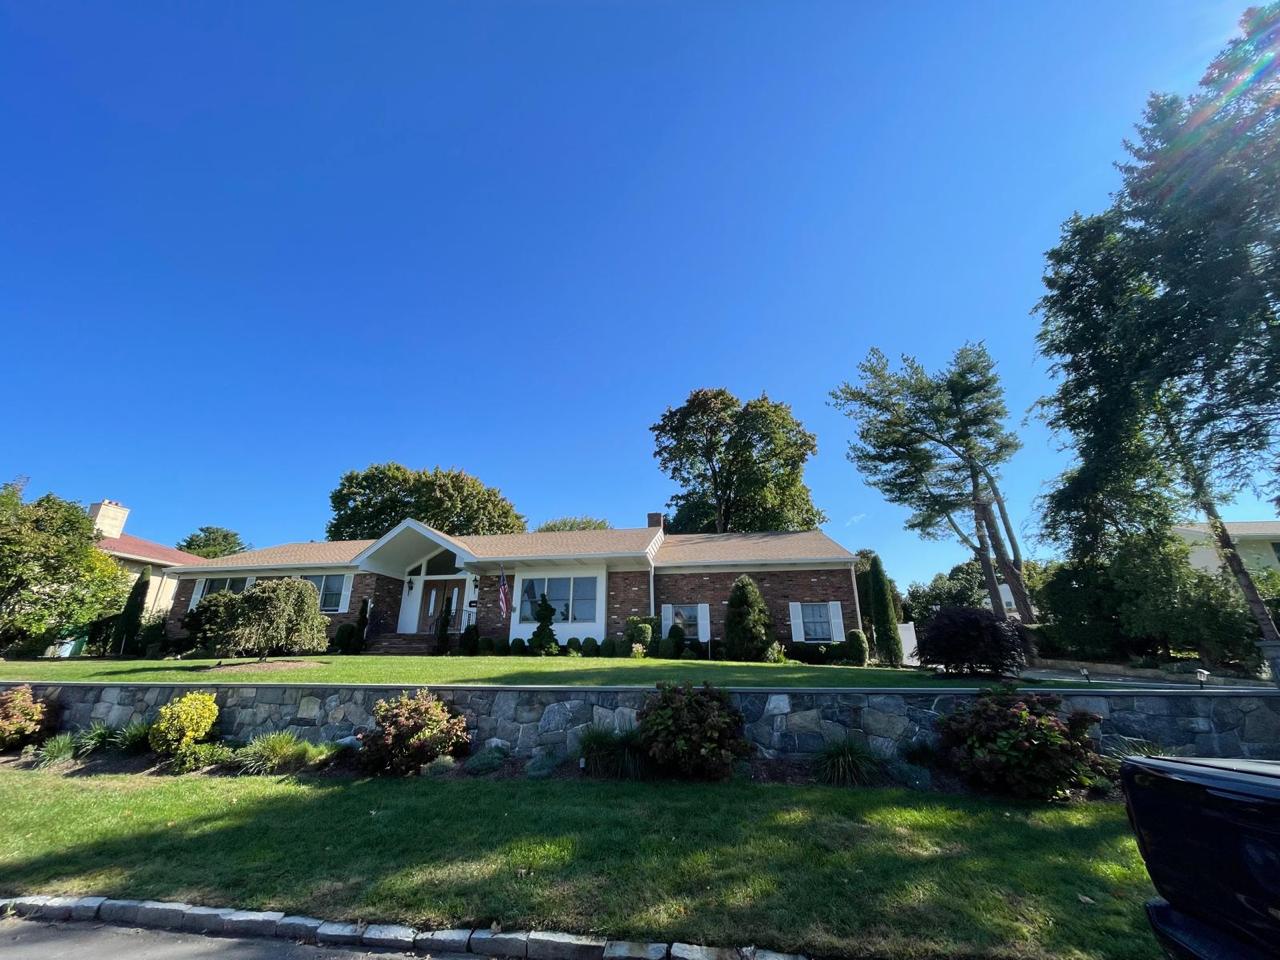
pixel 247 247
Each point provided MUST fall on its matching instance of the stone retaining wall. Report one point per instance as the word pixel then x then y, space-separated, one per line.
pixel 533 721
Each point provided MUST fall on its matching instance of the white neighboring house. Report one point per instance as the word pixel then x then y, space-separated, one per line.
pixel 1006 597
pixel 1257 542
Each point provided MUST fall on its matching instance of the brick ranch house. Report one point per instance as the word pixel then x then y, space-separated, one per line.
pixel 596 579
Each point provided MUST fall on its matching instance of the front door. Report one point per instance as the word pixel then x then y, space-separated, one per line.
pixel 410 603
pixel 439 594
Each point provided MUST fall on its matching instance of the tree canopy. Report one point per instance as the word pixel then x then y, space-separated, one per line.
pixel 934 443
pixel 1159 318
pixel 213 542
pixel 739 466
pixel 961 586
pixel 53 579
pixel 560 524
pixel 367 503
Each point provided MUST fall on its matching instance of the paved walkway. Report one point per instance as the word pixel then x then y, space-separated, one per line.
pixel 35 940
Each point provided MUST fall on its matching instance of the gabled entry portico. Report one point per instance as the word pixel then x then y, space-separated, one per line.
pixel 430 564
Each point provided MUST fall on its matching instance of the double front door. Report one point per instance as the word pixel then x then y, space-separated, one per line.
pixel 425 601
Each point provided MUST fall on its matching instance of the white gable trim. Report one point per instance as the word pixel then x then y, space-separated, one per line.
pixel 367 559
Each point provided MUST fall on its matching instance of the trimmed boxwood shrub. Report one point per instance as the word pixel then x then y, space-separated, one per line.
pixel 692 733
pixel 609 648
pixel 855 646
pixel 485 647
pixel 344 639
pixel 970 640
pixel 1011 742
pixel 590 648
pixel 676 633
pixel 469 642
pixel 670 648
pixel 501 646
pixel 412 731
pixel 574 644
pixel 519 648
pixel 182 722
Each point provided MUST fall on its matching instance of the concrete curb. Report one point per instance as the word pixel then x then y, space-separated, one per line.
pixel 230 922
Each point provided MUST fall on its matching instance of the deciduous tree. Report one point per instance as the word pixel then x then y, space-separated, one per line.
pixel 560 524
pixel 367 503
pixel 740 466
pixel 53 580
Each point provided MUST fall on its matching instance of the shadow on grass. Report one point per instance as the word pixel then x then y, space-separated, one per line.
pixel 856 873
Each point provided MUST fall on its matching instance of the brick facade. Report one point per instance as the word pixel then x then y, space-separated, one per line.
pixel 780 588
pixel 488 617
pixel 181 601
pixel 385 592
pixel 627 595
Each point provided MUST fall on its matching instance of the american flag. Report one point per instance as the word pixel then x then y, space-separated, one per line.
pixel 504 597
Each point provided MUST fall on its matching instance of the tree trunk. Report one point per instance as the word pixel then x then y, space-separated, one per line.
pixel 1012 537
pixel 983 554
pixel 1009 568
pixel 1227 550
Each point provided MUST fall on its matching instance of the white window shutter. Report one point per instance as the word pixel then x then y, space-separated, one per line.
pixel 249 581
pixel 195 593
pixel 666 619
pixel 797 624
pixel 345 602
pixel 704 623
pixel 837 622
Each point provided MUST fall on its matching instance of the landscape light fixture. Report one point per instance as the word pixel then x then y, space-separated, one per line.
pixel 1202 675
pixel 1084 672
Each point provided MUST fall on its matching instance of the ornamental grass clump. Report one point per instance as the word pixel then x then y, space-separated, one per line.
pixel 692 733
pixel 1015 743
pixel 21 717
pixel 56 751
pixel 182 722
pixel 134 737
pixel 612 755
pixel 847 763
pixel 412 731
pixel 96 736
pixel 282 752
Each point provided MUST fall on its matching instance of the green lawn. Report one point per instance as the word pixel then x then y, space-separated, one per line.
pixel 557 671
pixel 851 873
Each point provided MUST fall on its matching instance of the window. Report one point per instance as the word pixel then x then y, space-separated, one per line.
pixel 686 615
pixel 574 598
pixel 218 584
pixel 415 572
pixel 817 621
pixel 1275 548
pixel 329 586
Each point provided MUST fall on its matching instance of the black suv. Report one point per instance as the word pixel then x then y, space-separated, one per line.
pixel 1209 831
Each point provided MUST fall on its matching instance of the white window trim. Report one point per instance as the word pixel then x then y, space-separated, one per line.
pixel 834 617
pixel 569 628
pixel 570 577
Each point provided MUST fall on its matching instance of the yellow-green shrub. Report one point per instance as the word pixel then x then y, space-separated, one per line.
pixel 184 721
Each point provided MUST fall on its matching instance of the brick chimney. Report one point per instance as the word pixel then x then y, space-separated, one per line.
pixel 655 520
pixel 109 517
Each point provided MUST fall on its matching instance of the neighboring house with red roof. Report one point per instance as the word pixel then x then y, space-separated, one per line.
pixel 134 553
pixel 595 579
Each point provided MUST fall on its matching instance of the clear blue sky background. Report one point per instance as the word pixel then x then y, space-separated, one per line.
pixel 247 247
